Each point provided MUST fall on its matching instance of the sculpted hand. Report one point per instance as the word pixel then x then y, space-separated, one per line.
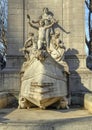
pixel 33 21
pixel 28 16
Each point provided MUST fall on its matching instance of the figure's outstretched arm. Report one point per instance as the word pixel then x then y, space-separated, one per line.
pixel 29 39
pixel 37 21
pixel 61 28
pixel 87 4
pixel 30 23
pixel 33 21
pixel 51 24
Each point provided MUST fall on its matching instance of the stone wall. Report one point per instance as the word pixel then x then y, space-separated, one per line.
pixel 10 78
pixel 80 77
pixel 15 26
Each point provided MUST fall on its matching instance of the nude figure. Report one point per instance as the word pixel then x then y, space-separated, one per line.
pixel 41 32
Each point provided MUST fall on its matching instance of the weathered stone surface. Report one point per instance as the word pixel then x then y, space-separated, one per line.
pixel 10 81
pixel 15 26
pixel 5 99
pixel 44 83
pixel 88 102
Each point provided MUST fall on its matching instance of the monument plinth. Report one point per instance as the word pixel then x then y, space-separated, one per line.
pixel 44 74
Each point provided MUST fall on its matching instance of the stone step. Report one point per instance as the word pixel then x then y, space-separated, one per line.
pixel 36 119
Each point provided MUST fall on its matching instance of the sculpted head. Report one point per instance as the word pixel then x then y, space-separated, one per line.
pixel 57 33
pixel 45 10
pixel 41 23
pixel 30 34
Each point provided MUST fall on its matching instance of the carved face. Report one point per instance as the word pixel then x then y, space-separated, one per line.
pixel 57 34
pixel 30 34
pixel 41 23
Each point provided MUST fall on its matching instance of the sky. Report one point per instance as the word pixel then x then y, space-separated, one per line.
pixel 4 11
pixel 86 26
pixel 86 21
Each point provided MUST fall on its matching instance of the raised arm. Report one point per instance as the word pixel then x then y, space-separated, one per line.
pixel 37 21
pixel 30 23
pixel 29 39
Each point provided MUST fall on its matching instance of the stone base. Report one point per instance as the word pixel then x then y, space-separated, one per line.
pixel 36 119
pixel 80 83
pixel 88 102
pixel 6 99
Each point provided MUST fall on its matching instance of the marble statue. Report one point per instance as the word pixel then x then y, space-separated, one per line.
pixel 42 29
pixel 43 74
pixel 28 45
pixel 47 17
pixel 57 50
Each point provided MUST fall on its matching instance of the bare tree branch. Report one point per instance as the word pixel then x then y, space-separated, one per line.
pixel 87 4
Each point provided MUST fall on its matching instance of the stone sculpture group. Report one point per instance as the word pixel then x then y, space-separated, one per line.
pixel 44 73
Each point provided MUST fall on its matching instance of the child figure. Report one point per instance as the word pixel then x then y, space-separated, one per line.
pixel 47 16
pixel 57 43
pixel 28 45
pixel 41 32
